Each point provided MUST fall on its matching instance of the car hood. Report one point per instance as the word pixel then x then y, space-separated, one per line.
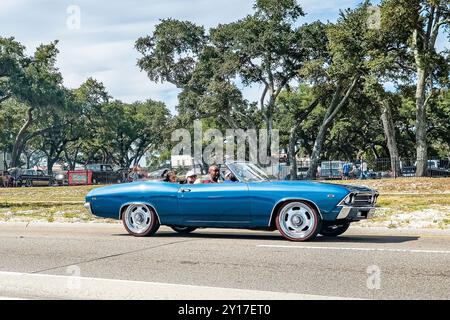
pixel 320 185
pixel 357 188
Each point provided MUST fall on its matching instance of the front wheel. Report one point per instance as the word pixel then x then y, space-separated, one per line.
pixel 334 230
pixel 140 220
pixel 183 230
pixel 298 221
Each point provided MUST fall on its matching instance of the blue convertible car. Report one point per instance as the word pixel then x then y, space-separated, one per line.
pixel 298 209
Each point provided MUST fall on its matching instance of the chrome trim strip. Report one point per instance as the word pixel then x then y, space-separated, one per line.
pixel 144 203
pixel 287 199
pixel 345 211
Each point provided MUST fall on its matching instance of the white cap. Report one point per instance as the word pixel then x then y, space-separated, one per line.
pixel 190 173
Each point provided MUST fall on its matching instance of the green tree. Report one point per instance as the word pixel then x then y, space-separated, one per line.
pixel 421 21
pixel 129 131
pixel 294 108
pixel 64 127
pixel 12 60
pixel 39 87
pixel 268 48
pixel 341 73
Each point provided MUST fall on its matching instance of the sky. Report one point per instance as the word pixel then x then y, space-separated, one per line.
pixel 96 38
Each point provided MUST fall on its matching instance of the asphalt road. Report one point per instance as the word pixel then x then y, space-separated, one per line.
pixel 45 260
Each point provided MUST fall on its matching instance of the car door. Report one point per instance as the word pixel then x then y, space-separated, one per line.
pixel 214 204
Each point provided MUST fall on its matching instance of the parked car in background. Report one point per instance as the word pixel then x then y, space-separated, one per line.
pixel 105 173
pixel 331 169
pixel 301 173
pixel 30 177
pixel 437 168
pixel 61 178
pixel 409 171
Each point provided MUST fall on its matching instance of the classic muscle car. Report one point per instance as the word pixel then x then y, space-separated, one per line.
pixel 104 173
pixel 298 209
pixel 30 177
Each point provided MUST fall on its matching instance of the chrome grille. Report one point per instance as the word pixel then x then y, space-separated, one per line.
pixel 364 199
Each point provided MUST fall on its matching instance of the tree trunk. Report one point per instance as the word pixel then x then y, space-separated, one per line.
pixel 421 124
pixel 72 162
pixel 317 150
pixel 269 124
pixel 336 104
pixel 292 159
pixel 18 143
pixel 50 163
pixel 389 133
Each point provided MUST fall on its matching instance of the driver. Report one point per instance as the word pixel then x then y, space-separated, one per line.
pixel 214 174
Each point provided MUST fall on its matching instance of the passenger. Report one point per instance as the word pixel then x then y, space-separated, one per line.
pixel 214 174
pixel 170 176
pixel 191 177
pixel 229 176
pixel 163 174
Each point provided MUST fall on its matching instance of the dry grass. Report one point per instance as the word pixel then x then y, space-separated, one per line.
pixel 44 194
pixel 406 185
pixel 45 204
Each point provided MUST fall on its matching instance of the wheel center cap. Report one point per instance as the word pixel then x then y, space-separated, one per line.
pixel 297 220
pixel 139 218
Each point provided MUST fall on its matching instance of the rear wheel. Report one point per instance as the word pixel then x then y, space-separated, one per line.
pixel 140 220
pixel 334 230
pixel 183 229
pixel 298 221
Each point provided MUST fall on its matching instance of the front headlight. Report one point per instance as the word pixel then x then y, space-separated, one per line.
pixel 348 200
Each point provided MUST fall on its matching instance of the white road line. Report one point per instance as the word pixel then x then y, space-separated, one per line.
pixel 356 249
pixel 14 284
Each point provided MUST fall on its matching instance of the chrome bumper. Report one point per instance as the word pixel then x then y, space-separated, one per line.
pixel 356 213
pixel 87 206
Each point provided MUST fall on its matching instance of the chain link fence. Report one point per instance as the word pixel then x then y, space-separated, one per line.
pixel 360 169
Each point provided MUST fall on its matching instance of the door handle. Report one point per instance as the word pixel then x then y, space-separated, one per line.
pixel 185 190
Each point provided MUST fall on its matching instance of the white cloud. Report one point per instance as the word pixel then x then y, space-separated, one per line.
pixel 103 47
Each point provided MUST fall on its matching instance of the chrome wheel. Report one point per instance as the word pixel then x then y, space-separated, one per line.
pixel 138 218
pixel 297 221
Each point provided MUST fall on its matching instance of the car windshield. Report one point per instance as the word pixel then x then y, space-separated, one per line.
pixel 94 167
pixel 248 172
